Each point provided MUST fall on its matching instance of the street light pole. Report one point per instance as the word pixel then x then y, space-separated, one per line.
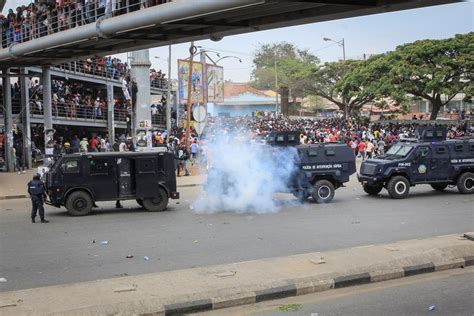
pixel 276 89
pixel 192 52
pixel 342 44
pixel 168 98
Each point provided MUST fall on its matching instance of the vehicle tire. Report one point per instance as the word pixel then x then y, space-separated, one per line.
pixel 439 186
pixel 465 183
pixel 79 203
pixel 398 187
pixel 323 191
pixel 140 202
pixel 301 195
pixel 158 203
pixel 372 189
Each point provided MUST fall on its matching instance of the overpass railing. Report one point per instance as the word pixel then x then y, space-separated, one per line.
pixel 41 19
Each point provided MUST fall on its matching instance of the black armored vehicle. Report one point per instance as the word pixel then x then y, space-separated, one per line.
pixel 429 159
pixel 77 181
pixel 320 168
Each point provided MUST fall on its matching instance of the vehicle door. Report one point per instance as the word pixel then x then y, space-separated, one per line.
pixel 440 166
pixel 71 173
pixel 125 177
pixel 421 166
pixel 147 175
pixel 102 179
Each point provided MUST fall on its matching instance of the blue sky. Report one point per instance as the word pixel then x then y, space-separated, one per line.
pixel 369 34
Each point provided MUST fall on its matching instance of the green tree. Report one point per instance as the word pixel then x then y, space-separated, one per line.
pixel 435 70
pixel 285 63
pixel 343 83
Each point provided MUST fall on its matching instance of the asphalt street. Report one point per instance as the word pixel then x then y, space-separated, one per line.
pixel 443 293
pixel 63 251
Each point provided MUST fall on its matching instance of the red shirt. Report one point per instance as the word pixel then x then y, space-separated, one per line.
pixel 361 146
pixel 93 143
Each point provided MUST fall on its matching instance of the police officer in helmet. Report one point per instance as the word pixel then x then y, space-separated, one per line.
pixel 37 194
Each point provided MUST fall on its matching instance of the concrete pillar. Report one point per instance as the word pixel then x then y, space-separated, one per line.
pixel 25 119
pixel 48 113
pixel 8 116
pixel 110 113
pixel 141 75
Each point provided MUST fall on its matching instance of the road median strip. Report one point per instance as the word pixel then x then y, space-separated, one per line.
pixel 254 281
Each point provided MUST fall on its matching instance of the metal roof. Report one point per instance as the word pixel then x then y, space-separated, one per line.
pixel 185 20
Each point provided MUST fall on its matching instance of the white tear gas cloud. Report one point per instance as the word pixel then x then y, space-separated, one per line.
pixel 243 176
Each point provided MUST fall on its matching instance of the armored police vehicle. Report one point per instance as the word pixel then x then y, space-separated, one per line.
pixel 320 168
pixel 77 181
pixel 429 159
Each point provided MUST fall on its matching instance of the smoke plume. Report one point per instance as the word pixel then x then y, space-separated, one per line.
pixel 243 176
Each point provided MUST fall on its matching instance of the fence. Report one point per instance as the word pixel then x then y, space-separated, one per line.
pixel 44 20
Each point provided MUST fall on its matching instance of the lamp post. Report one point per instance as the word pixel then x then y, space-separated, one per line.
pixel 240 60
pixel 342 44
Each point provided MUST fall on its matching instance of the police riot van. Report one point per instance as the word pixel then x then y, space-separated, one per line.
pixel 320 168
pixel 430 159
pixel 77 181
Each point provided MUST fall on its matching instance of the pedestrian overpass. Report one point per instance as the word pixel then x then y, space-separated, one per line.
pixel 181 21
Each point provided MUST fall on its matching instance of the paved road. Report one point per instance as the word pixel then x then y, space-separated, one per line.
pixel 450 292
pixel 33 255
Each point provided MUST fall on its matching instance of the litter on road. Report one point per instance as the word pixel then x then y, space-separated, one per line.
pixel 431 308
pixel 146 258
pixel 104 242
pixel 129 256
pixel 3 280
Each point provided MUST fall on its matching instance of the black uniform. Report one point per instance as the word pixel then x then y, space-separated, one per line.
pixel 37 194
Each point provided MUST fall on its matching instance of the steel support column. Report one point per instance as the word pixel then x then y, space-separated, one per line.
pixel 141 75
pixel 8 116
pixel 25 117
pixel 110 113
pixel 47 109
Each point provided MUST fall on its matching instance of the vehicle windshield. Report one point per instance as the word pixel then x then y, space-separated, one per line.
pixel 398 151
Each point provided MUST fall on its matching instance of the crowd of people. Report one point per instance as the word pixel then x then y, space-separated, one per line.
pixel 43 17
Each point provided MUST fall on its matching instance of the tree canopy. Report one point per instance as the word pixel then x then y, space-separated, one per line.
pixel 435 70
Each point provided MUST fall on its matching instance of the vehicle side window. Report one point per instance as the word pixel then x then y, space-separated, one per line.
pixel 440 150
pixel 471 147
pixel 330 152
pixel 458 147
pixel 291 138
pixel 312 153
pixel 423 152
pixel 146 166
pixel 99 166
pixel 70 166
pixel 280 138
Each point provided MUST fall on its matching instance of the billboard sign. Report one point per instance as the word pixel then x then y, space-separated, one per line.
pixel 197 90
pixel 215 83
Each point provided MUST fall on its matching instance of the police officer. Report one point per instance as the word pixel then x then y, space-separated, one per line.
pixel 37 194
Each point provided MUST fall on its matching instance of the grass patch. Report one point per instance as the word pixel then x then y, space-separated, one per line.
pixel 290 307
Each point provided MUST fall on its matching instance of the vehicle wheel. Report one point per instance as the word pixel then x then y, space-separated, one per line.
pixel 439 186
pixel 79 203
pixel 398 187
pixel 323 191
pixel 466 183
pixel 158 203
pixel 372 189
pixel 301 195
pixel 140 202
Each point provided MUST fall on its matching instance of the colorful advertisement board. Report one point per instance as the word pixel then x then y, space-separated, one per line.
pixel 197 90
pixel 215 83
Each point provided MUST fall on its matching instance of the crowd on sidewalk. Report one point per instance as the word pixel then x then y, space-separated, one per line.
pixel 43 17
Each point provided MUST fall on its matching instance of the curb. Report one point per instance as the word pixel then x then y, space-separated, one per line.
pixel 306 286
